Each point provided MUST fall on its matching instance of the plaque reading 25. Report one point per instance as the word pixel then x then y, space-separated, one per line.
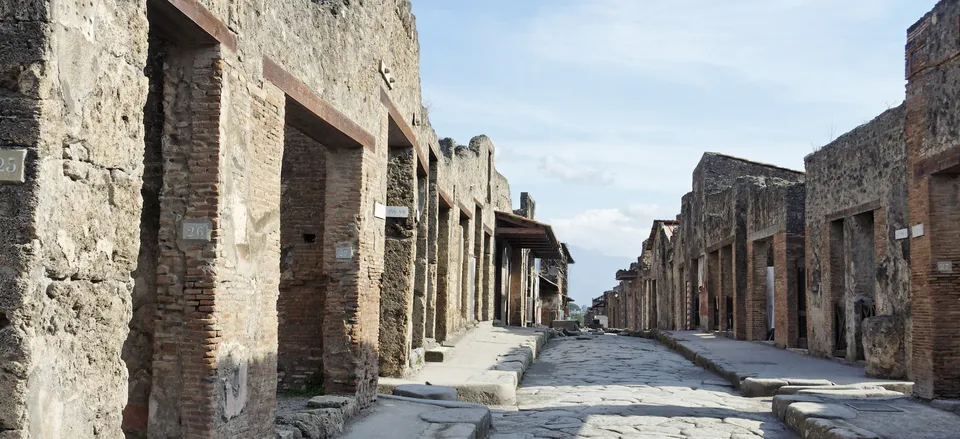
pixel 195 230
pixel 11 165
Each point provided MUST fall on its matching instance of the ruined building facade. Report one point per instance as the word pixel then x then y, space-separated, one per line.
pixel 856 258
pixel 208 200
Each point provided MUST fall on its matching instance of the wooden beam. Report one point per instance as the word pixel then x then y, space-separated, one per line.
pixel 445 198
pixel 520 231
pixel 314 116
pixel 467 212
pixel 400 128
pixel 175 10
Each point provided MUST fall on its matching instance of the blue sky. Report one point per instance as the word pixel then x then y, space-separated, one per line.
pixel 602 108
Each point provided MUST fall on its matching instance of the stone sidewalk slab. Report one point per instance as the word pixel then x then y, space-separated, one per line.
pixel 395 417
pixel 757 369
pixel 485 366
pixel 832 416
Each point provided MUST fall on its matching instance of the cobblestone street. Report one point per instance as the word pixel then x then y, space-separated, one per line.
pixel 624 387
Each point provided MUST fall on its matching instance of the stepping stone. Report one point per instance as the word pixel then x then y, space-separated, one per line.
pixel 421 391
pixel 438 354
pixel 476 416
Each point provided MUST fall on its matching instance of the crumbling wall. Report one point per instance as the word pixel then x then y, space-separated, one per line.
pixel 72 235
pixel 862 171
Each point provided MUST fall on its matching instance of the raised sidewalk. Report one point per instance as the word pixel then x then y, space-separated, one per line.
pixel 485 365
pixel 816 397
pixel 758 369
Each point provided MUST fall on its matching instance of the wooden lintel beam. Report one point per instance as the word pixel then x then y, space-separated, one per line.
pixel 333 126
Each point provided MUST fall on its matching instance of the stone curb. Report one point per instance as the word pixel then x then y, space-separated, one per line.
pixel 813 417
pixel 751 386
pixel 325 416
pixel 716 367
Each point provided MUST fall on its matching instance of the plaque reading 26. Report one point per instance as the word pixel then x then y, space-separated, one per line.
pixel 195 230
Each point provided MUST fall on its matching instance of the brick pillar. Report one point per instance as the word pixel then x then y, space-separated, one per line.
pixel 433 249
pixel 467 284
pixel 421 262
pixel 756 300
pixel 488 277
pixel 785 253
pixel 934 202
pixel 396 294
pixel 517 293
pixel 188 330
pixel 713 288
pixel 727 284
pixel 446 272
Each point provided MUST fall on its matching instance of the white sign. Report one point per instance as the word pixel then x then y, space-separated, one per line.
pixel 379 211
pixel 195 230
pixel 11 165
pixel 398 211
pixel 902 234
pixel 917 230
pixel 344 252
pixel 945 266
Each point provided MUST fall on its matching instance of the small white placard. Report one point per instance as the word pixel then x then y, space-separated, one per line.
pixel 344 252
pixel 902 234
pixel 11 165
pixel 917 230
pixel 944 267
pixel 379 210
pixel 398 211
pixel 195 230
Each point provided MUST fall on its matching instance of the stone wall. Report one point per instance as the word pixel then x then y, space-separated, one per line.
pixel 72 235
pixel 861 173
pixel 933 190
pixel 272 123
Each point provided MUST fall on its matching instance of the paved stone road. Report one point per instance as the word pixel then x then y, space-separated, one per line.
pixel 624 387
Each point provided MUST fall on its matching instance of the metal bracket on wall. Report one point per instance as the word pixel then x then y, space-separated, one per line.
pixel 387 75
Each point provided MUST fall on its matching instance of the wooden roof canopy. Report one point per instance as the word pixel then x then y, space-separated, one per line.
pixel 526 233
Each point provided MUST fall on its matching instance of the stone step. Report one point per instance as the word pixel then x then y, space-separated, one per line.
pixel 438 354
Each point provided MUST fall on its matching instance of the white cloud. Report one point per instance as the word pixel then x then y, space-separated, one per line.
pixel 612 231
pixel 579 174
pixel 802 48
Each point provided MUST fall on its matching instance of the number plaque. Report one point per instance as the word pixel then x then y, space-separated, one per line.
pixel 195 230
pixel 11 165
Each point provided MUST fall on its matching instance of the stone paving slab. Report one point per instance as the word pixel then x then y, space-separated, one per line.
pixel 766 367
pixel 485 366
pixel 829 416
pixel 612 386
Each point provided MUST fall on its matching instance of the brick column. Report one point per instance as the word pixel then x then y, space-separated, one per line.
pixel 785 253
pixel 756 300
pixel 713 288
pixel 934 202
pixel 188 330
pixel 396 294
pixel 517 299
pixel 421 262
pixel 433 249
pixel 727 284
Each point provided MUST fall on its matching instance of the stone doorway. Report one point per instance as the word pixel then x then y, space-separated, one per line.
pixel 301 303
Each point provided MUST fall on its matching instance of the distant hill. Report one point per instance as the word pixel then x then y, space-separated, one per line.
pixel 593 273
